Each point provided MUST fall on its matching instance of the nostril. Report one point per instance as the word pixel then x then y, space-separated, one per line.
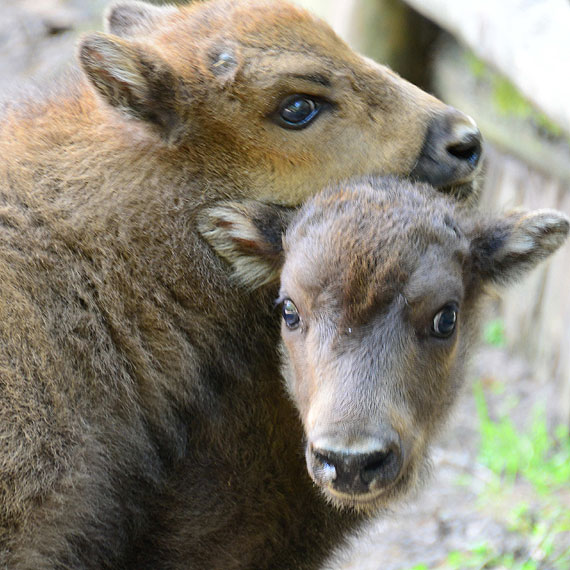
pixel 382 467
pixel 451 153
pixel 375 466
pixel 468 150
pixel 324 468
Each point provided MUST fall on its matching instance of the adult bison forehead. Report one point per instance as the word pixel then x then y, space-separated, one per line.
pixel 284 26
pixel 262 24
pixel 258 23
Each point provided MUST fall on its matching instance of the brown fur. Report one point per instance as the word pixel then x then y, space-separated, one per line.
pixel 368 266
pixel 142 420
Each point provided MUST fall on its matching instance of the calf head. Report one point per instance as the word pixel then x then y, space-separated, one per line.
pixel 380 289
pixel 266 99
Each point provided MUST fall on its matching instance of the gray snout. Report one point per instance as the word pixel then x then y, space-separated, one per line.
pixel 358 470
pixel 451 152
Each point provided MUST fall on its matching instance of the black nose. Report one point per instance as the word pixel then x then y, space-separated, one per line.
pixel 467 149
pixel 357 473
pixel 451 152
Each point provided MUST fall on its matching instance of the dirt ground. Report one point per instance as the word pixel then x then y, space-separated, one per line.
pixel 37 39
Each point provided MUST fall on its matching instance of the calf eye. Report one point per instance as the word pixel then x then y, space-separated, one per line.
pixel 290 314
pixel 298 111
pixel 444 321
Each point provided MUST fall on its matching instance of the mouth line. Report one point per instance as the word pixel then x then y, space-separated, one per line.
pixel 360 499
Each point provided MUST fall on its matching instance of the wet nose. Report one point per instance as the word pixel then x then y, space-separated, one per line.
pixel 357 473
pixel 451 152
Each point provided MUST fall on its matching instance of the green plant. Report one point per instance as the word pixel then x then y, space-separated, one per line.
pixel 494 333
pixel 483 556
pixel 537 460
pixel 541 458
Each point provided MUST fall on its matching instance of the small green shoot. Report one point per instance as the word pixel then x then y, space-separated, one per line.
pixel 494 333
pixel 542 459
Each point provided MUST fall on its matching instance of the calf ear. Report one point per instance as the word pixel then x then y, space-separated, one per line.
pixel 134 81
pixel 507 248
pixel 127 19
pixel 248 235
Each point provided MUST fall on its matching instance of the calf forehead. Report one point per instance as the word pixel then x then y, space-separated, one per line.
pixel 438 274
pixel 361 250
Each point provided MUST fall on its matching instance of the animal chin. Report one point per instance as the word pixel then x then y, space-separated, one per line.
pixel 467 192
pixel 371 502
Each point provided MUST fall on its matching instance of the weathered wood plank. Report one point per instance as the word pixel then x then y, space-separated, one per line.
pixel 527 41
pixel 536 312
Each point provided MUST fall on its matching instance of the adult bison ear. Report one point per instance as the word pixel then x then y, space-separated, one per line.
pixel 248 235
pixel 135 81
pixel 127 19
pixel 505 249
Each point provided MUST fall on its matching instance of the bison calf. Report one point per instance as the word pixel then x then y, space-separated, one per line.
pixel 380 293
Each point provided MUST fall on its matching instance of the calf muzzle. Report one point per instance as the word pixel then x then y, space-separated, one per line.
pixel 357 473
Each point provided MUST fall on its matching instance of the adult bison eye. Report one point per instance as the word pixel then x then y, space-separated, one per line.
pixel 298 111
pixel 290 314
pixel 444 321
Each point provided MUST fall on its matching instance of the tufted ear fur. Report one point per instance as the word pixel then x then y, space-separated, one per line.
pixel 131 18
pixel 135 81
pixel 507 248
pixel 248 235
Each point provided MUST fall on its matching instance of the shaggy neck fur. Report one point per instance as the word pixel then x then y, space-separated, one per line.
pixel 109 222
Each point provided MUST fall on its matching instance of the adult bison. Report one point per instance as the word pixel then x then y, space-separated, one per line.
pixel 142 421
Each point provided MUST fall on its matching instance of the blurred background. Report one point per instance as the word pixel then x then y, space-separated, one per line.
pixel 499 496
